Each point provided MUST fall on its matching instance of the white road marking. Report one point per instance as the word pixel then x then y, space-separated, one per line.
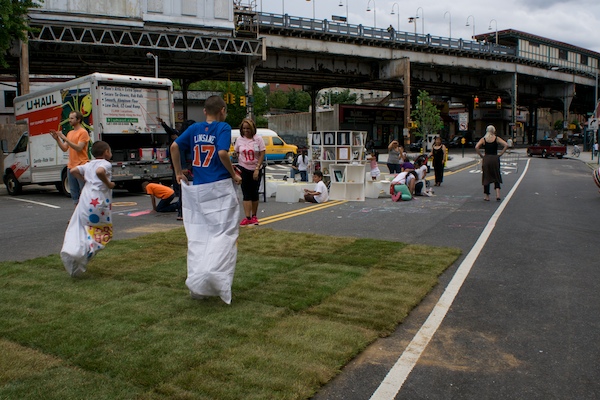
pixel 391 385
pixel 34 202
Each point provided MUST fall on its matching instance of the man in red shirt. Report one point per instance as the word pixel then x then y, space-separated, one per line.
pixel 162 192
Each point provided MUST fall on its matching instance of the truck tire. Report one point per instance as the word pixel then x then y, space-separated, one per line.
pixel 13 187
pixel 63 186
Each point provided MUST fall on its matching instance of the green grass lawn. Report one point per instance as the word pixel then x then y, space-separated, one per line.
pixel 303 306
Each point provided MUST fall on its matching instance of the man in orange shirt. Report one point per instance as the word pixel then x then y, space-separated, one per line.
pixel 76 142
pixel 164 193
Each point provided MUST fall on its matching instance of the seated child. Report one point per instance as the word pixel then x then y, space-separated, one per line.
pixel 164 193
pixel 402 186
pixel 421 185
pixel 320 194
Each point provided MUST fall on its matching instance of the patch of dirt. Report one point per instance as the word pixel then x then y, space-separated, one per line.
pixel 471 351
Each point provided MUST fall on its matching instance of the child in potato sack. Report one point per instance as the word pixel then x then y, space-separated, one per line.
pixel 90 227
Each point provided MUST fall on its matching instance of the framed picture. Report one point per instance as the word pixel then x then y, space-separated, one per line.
pixel 339 176
pixel 343 153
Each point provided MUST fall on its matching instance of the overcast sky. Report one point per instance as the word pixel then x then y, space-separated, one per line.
pixel 575 22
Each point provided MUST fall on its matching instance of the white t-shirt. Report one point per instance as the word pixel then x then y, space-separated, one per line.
pixel 402 178
pixel 302 163
pixel 321 188
pixel 89 173
pixel 421 172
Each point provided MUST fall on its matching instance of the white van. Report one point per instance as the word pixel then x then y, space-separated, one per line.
pixel 276 148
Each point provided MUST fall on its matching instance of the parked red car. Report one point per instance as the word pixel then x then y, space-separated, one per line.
pixel 547 148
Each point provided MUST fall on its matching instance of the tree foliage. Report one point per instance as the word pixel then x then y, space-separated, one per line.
pixel 278 100
pixel 13 24
pixel 343 97
pixel 426 115
pixel 298 100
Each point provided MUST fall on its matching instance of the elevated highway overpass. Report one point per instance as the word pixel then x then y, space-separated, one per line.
pixel 315 53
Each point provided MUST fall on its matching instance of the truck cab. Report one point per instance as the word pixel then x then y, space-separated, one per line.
pixel 21 166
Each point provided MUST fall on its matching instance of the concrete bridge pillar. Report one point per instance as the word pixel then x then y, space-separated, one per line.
pixel 399 70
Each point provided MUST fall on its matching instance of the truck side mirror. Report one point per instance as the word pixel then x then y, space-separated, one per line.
pixel 4 145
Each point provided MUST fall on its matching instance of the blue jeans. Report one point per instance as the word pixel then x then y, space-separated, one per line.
pixel 75 186
pixel 394 168
pixel 165 205
pixel 303 175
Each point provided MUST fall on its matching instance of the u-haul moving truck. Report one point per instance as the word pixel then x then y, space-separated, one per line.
pixel 118 109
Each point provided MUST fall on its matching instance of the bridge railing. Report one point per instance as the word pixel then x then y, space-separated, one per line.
pixel 341 29
pixel 287 22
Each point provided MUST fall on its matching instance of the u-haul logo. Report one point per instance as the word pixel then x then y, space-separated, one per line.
pixel 50 100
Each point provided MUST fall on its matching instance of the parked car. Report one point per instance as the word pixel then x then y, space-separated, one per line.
pixel 277 150
pixel 547 148
pixel 456 143
pixel 415 146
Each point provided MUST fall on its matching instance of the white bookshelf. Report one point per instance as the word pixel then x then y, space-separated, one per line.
pixel 340 156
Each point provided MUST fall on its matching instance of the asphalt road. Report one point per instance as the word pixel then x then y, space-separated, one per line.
pixel 524 323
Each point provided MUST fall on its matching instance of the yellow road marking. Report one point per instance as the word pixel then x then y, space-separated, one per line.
pixel 124 204
pixel 295 213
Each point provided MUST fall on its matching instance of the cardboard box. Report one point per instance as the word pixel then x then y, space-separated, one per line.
pixel 147 154
pixel 161 154
pixel 133 155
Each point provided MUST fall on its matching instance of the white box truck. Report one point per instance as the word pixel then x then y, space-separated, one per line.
pixel 119 109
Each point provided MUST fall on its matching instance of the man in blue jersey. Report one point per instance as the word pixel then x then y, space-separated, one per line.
pixel 210 205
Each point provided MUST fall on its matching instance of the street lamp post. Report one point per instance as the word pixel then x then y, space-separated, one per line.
pixel 422 19
pixel 413 20
pixel 374 11
pixel 150 55
pixel 392 13
pixel 471 16
pixel 313 2
pixel 596 97
pixel 449 23
pixel 342 5
pixel 496 25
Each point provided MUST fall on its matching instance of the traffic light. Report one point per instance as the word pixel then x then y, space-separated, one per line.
pixel 476 102
pixel 499 103
pixel 229 98
pixel 243 101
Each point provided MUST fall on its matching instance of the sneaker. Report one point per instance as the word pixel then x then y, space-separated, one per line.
pixel 254 220
pixel 246 221
pixel 196 296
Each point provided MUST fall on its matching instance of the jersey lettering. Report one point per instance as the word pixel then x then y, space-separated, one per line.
pixel 208 150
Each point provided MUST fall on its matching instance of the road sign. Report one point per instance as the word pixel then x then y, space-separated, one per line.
pixel 463 122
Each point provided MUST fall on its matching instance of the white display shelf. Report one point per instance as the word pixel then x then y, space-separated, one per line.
pixel 340 156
